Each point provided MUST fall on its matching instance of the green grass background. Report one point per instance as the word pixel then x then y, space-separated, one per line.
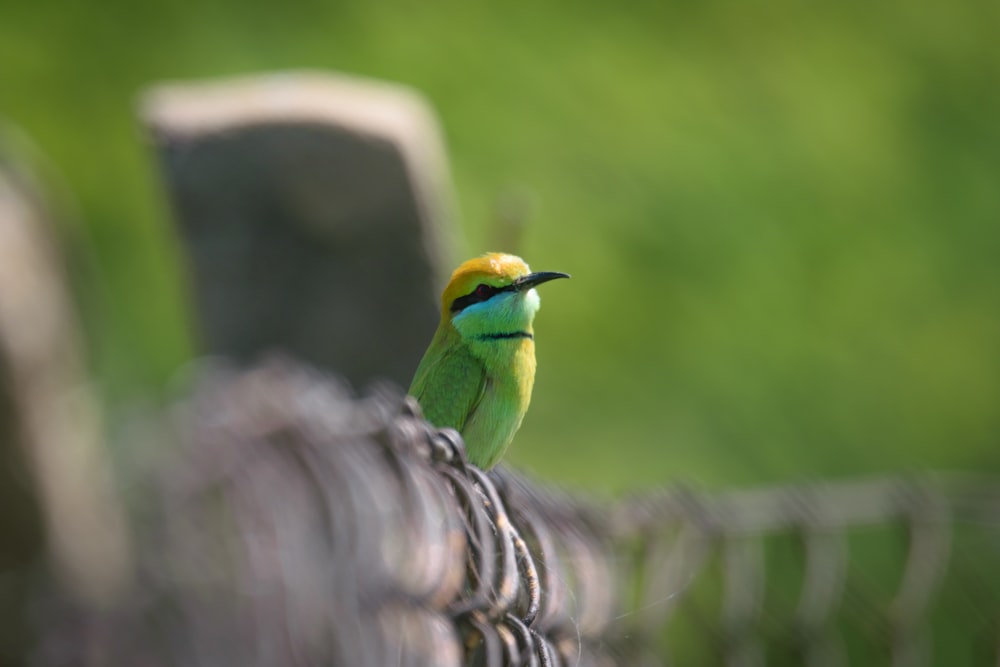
pixel 782 218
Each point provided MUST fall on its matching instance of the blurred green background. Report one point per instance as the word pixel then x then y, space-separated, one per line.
pixel 782 218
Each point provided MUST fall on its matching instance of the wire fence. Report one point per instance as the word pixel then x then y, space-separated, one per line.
pixel 298 525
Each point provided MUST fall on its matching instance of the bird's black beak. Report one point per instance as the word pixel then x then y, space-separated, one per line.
pixel 527 282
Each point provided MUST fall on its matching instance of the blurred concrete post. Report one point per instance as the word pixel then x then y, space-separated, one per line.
pixel 315 210
pixel 56 505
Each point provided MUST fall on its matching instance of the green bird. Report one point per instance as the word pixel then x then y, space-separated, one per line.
pixel 476 376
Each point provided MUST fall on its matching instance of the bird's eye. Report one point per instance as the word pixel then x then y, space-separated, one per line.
pixel 484 291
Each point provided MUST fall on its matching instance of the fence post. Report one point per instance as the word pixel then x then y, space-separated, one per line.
pixel 56 506
pixel 316 212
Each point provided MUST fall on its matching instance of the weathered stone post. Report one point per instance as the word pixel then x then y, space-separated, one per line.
pixel 315 210
pixel 57 512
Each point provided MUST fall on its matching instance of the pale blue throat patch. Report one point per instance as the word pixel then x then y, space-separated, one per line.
pixel 507 312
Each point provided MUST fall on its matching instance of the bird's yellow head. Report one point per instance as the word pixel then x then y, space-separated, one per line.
pixel 493 295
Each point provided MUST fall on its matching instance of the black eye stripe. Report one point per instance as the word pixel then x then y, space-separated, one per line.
pixel 477 296
pixel 463 302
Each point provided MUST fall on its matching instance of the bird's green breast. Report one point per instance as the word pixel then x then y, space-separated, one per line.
pixel 510 375
pixel 481 387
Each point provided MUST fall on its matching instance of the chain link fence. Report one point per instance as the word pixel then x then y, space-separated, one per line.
pixel 298 525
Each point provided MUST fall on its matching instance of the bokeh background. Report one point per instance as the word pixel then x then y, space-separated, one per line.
pixel 782 218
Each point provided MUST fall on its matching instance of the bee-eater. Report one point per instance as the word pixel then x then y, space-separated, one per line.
pixel 476 376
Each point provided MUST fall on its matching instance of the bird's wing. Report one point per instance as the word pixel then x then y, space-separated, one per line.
pixel 449 386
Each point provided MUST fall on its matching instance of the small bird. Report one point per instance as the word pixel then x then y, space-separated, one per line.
pixel 476 376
